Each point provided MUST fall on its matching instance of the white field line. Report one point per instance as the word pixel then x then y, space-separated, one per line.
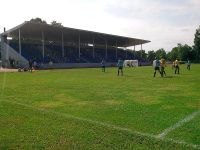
pixel 108 125
pixel 178 124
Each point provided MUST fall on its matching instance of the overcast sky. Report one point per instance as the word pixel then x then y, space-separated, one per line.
pixel 164 22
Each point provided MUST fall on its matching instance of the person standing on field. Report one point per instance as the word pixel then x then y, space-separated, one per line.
pixel 156 65
pixel 103 65
pixel 188 64
pixel 120 65
pixel 177 68
pixel 162 66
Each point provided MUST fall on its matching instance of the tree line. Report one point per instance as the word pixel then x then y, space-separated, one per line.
pixel 182 52
pixel 39 20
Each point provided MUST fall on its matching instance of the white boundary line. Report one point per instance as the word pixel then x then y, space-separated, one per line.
pixel 111 126
pixel 178 124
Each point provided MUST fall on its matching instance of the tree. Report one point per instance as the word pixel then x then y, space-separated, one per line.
pixel 161 54
pixel 38 20
pixel 184 52
pixel 192 54
pixel 174 54
pixel 57 24
pixel 181 52
pixel 151 56
pixel 197 44
pixel 142 54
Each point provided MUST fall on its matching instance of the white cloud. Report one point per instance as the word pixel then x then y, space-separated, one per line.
pixel 165 23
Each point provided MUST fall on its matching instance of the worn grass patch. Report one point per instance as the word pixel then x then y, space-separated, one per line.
pixel 147 100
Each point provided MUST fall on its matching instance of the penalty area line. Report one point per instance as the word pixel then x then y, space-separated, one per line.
pixel 178 124
pixel 103 124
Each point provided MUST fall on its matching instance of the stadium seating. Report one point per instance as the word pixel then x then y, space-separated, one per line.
pixel 53 53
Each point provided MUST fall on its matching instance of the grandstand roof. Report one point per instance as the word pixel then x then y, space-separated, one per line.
pixel 53 33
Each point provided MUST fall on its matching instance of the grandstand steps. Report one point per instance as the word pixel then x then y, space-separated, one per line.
pixel 11 54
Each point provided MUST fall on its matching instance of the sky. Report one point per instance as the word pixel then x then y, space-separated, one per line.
pixel 164 22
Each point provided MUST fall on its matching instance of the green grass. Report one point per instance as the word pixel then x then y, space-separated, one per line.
pixel 78 109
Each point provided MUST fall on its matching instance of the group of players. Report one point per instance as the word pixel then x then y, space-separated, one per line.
pixel 159 65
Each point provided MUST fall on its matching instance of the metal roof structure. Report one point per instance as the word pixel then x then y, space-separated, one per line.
pixel 48 32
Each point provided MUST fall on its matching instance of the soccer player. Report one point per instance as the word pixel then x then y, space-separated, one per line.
pixel 163 65
pixel 103 65
pixel 177 63
pixel 120 65
pixel 156 65
pixel 188 64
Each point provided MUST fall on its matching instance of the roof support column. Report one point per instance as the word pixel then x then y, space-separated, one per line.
pixel 43 45
pixel 20 46
pixel 134 52
pixel 79 46
pixel 63 54
pixel 141 50
pixel 116 50
pixel 93 48
pixel 106 54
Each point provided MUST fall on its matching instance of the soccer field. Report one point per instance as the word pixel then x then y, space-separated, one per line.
pixel 88 109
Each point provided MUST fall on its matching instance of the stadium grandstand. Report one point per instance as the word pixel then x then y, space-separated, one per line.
pixel 63 47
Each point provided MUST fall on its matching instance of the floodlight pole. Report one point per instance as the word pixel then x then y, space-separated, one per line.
pixel 93 47
pixel 20 46
pixel 63 46
pixel 79 48
pixel 43 45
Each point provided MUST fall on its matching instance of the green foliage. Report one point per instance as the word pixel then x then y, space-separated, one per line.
pixel 185 52
pixel 142 54
pixel 181 52
pixel 38 20
pixel 57 24
pixel 197 44
pixel 161 54
pixel 151 56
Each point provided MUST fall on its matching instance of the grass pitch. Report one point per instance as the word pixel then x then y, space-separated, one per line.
pixel 88 109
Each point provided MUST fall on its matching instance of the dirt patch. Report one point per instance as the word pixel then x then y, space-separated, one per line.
pixel 63 98
pixel 11 121
pixel 147 100
pixel 168 107
pixel 193 105
pixel 49 104
pixel 66 99
pixel 113 102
